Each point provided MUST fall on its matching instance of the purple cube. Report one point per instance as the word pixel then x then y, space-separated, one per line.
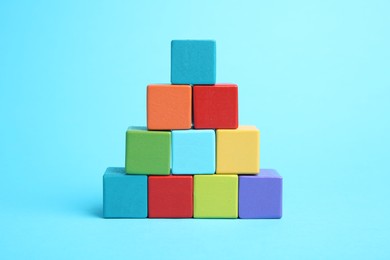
pixel 260 196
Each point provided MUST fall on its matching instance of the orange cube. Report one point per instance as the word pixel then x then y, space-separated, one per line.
pixel 169 107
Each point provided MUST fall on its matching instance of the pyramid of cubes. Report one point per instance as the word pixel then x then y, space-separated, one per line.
pixel 193 160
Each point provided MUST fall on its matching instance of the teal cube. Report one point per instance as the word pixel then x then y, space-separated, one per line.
pixel 148 152
pixel 124 196
pixel 193 62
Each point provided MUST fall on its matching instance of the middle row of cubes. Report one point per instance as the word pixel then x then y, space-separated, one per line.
pixel 222 151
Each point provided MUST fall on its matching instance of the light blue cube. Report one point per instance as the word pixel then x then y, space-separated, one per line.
pixel 193 152
pixel 193 62
pixel 124 196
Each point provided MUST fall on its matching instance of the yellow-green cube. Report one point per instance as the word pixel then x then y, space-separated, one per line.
pixel 215 196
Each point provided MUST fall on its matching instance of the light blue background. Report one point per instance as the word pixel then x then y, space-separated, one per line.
pixel 314 76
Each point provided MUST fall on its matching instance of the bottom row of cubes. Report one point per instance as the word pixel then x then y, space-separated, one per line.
pixel 198 196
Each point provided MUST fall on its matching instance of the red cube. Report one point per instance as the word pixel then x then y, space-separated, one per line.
pixel 170 196
pixel 215 106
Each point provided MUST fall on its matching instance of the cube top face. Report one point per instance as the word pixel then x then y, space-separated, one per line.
pixel 193 152
pixel 238 151
pixel 193 62
pixel 216 106
pixel 260 196
pixel 114 172
pixel 124 196
pixel 170 196
pixel 137 128
pixel 263 174
pixel 267 173
pixel 169 107
pixel 215 196
pixel 148 152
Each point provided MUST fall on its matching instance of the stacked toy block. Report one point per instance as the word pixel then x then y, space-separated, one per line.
pixel 193 159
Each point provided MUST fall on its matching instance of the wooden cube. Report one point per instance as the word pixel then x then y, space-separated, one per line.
pixel 169 107
pixel 193 152
pixel 238 151
pixel 124 196
pixel 216 106
pixel 148 152
pixel 170 196
pixel 260 196
pixel 193 62
pixel 215 196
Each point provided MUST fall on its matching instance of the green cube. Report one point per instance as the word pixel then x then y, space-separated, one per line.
pixel 215 196
pixel 148 152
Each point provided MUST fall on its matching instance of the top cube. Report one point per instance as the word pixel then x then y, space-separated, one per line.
pixel 193 62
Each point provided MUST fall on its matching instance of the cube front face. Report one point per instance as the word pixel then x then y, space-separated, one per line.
pixel 215 196
pixel 169 107
pixel 124 196
pixel 193 152
pixel 260 196
pixel 193 62
pixel 148 152
pixel 238 151
pixel 170 196
pixel 216 106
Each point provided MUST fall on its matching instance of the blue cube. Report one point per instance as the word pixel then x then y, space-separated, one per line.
pixel 124 196
pixel 193 152
pixel 193 62
pixel 260 196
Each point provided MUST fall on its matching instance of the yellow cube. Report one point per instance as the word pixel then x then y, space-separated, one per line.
pixel 238 150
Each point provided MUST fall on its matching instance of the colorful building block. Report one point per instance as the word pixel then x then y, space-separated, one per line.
pixel 170 196
pixel 215 196
pixel 169 107
pixel 148 152
pixel 124 196
pixel 193 152
pixel 216 106
pixel 238 151
pixel 193 62
pixel 260 196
